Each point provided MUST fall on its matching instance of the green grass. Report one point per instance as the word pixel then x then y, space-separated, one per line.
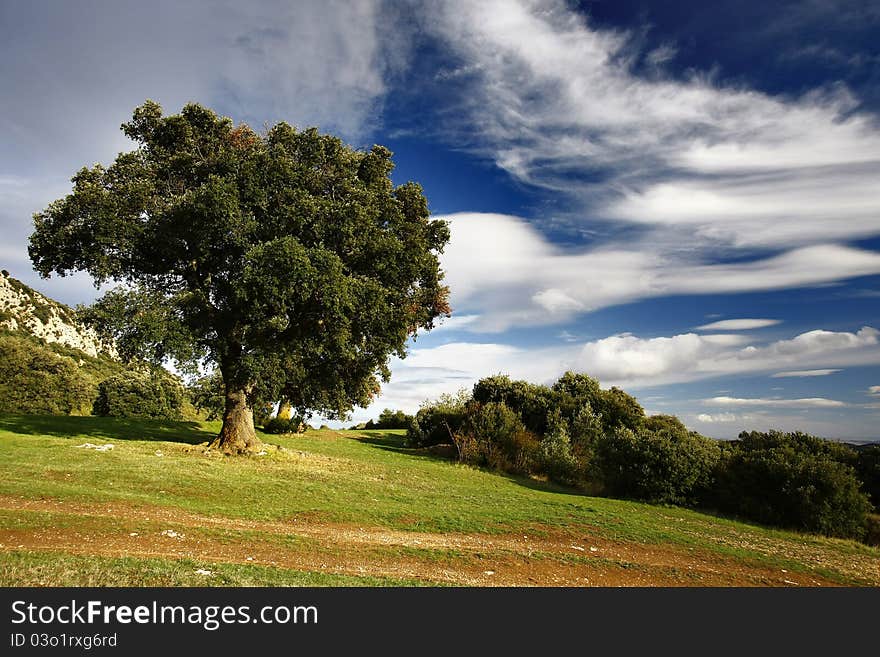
pixel 363 477
pixel 36 568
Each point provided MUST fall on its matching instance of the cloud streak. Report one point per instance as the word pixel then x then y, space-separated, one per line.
pixel 503 268
pixel 556 101
pixel 738 324
pixel 801 374
pixel 806 402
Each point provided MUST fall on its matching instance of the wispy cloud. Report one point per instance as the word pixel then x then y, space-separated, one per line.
pixel 807 402
pixel 503 268
pixel 555 101
pixel 738 324
pixel 803 373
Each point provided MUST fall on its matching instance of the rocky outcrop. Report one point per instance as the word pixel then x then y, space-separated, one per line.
pixel 24 309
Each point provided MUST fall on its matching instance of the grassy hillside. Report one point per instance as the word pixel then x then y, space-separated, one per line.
pixel 349 508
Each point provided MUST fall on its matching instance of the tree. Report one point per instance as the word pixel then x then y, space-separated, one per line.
pixel 287 259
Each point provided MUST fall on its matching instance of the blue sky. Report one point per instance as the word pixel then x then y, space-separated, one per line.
pixel 682 199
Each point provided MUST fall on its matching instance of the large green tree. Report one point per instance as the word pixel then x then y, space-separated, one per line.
pixel 287 259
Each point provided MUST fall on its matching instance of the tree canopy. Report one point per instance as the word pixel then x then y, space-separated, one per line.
pixel 286 258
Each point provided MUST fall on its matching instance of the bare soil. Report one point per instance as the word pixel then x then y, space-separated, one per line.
pixel 548 557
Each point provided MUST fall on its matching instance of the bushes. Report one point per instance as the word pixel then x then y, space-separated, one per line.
pixel 672 466
pixel 868 469
pixel 141 393
pixel 495 436
pixel 555 457
pixel 278 425
pixel 389 419
pixel 530 401
pixel 575 433
pixel 438 421
pixel 36 380
pixel 792 480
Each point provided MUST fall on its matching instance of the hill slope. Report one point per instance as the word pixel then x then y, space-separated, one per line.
pixel 24 309
pixel 350 508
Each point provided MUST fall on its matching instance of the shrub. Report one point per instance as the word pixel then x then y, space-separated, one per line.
pixel 494 435
pixel 36 380
pixel 389 419
pixel 437 422
pixel 141 393
pixel 868 469
pixel 792 480
pixel 530 401
pixel 277 425
pixel 666 466
pixel 555 458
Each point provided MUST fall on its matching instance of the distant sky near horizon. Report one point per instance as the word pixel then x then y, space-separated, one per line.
pixel 682 199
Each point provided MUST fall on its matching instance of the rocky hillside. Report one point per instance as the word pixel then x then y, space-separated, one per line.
pixel 24 309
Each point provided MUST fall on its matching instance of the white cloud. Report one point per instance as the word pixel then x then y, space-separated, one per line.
pixel 455 322
pixel 640 362
pixel 717 417
pixel 803 373
pixel 738 324
pixel 554 100
pixel 807 402
pixel 504 268
pixel 874 390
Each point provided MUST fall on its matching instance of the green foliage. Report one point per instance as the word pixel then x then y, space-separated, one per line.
pixel 493 435
pixel 555 457
pixel 278 425
pixel 437 422
pixel 389 419
pixel 34 379
pixel 617 408
pixel 666 466
pixel 793 480
pixel 207 395
pixel 868 469
pixel 288 259
pixel 141 393
pixel 531 401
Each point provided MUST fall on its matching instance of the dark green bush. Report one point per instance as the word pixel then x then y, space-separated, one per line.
pixel 277 425
pixel 868 470
pixel 35 380
pixel 437 422
pixel 389 419
pixel 665 466
pixel 532 402
pixel 152 393
pixel 792 480
pixel 494 436
pixel 555 457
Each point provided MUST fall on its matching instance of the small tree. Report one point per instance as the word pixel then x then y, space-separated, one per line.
pixel 140 393
pixel 287 259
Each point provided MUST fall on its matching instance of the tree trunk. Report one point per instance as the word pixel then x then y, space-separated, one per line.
pixel 237 435
pixel 284 410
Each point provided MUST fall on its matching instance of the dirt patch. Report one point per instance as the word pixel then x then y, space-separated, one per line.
pixel 573 557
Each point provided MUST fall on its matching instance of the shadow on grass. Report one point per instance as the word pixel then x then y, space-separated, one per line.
pixel 106 428
pixel 396 442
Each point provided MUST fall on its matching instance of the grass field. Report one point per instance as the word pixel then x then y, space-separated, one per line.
pixel 351 508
